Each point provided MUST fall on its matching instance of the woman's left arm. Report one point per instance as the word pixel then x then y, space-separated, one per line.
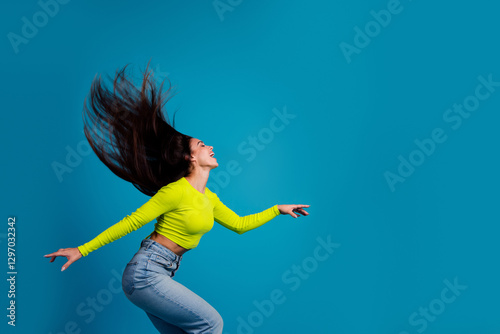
pixel 229 219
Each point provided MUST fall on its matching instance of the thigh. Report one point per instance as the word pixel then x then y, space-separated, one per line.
pixel 164 327
pixel 175 304
pixel 149 285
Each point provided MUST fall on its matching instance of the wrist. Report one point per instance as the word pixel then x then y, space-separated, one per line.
pixel 80 251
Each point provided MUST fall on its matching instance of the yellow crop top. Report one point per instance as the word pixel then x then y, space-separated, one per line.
pixel 183 215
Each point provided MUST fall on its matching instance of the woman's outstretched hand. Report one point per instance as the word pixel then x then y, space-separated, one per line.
pixel 293 209
pixel 72 254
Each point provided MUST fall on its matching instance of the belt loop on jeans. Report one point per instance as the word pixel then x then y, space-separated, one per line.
pixel 148 244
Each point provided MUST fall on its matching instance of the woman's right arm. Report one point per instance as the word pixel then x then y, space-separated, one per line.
pixel 166 199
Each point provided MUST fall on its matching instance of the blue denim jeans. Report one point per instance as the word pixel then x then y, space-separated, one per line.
pixel 173 308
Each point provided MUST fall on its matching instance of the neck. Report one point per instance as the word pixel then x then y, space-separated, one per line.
pixel 198 179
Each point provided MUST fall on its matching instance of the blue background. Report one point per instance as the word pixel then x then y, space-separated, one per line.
pixel 354 116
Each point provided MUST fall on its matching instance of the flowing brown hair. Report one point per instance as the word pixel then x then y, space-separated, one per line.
pixel 128 131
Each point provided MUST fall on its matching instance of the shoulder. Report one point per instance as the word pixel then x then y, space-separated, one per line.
pixel 175 187
pixel 211 194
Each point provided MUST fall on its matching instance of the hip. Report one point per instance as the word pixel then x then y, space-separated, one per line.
pixel 152 263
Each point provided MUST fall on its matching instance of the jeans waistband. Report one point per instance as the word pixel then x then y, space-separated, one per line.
pixel 159 248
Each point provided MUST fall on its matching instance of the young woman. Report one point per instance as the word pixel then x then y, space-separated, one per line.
pixel 129 133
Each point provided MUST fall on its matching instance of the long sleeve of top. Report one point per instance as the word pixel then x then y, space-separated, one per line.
pixel 229 219
pixel 183 215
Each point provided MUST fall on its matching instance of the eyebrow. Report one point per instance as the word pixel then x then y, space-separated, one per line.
pixel 199 142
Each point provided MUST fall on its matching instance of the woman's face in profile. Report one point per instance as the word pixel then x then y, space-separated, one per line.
pixel 202 154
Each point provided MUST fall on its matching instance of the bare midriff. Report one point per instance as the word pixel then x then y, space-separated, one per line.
pixel 163 240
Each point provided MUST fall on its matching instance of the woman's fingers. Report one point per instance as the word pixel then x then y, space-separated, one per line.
pixel 55 254
pixel 299 209
pixel 304 212
pixel 66 265
pixel 52 256
pixel 294 209
pixel 72 254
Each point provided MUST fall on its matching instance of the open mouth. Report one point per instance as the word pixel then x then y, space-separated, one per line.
pixel 212 154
